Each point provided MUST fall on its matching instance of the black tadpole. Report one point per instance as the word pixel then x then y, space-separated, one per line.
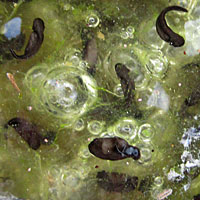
pixel 116 182
pixel 127 82
pixel 35 40
pixel 114 148
pixel 30 133
pixel 165 32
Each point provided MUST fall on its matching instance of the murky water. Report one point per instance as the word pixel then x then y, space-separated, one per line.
pixel 56 92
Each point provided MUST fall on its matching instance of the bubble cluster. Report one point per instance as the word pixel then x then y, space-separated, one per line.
pixel 64 91
pixel 127 33
pixel 124 35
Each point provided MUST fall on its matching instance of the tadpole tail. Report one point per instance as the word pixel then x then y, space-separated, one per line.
pixel 17 56
pixel 178 8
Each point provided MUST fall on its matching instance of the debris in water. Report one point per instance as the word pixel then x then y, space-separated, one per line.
pixel 12 80
pixel 164 194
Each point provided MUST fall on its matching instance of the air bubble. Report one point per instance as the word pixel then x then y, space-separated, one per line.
pixel 146 153
pixel 126 128
pixel 146 132
pixel 157 64
pixel 130 29
pixel 79 125
pixel 124 35
pixel 74 59
pixel 118 90
pixel 84 153
pixel 73 56
pixel 92 20
pixel 83 64
pixel 95 127
pixel 158 181
pixel 64 91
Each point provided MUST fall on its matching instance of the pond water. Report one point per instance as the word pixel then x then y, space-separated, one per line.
pixel 69 91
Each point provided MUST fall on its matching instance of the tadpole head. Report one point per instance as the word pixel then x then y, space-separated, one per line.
pixel 133 152
pixel 118 68
pixel 121 70
pixel 38 25
pixel 177 41
pixel 14 122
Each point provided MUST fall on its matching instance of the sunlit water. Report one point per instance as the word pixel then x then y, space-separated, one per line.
pixel 58 94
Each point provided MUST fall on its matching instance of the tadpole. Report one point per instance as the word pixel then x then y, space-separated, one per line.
pixel 113 148
pixel 164 30
pixel 90 55
pixel 35 40
pixel 30 133
pixel 127 82
pixel 116 182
